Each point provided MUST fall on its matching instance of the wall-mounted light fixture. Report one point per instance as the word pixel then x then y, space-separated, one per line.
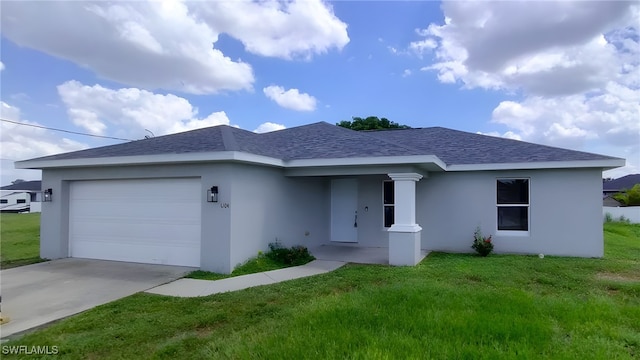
pixel 212 194
pixel 47 195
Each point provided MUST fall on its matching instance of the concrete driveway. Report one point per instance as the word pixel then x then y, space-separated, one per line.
pixel 35 295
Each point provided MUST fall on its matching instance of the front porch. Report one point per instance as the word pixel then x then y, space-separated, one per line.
pixel 355 254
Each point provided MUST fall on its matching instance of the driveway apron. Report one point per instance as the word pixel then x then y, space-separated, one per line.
pixel 37 294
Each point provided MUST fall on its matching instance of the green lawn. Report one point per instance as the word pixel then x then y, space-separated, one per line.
pixel 19 239
pixel 258 264
pixel 450 306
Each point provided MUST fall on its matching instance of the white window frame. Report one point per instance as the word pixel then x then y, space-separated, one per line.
pixel 385 205
pixel 527 205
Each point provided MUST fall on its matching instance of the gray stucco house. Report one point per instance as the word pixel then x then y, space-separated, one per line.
pixel 213 197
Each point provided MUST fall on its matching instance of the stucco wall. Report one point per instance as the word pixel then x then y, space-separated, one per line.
pixel 565 215
pixel 264 205
pixel 267 206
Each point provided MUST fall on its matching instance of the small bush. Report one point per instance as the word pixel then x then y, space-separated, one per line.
pixel 608 218
pixel 296 255
pixel 623 219
pixel 482 245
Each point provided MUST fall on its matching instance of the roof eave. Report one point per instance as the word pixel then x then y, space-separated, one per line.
pixel 604 164
pixel 236 156
pixel 433 160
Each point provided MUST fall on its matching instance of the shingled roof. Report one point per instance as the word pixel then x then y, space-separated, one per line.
pixel 619 184
pixel 325 141
pixel 33 185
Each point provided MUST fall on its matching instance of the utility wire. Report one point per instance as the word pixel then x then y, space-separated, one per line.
pixel 66 131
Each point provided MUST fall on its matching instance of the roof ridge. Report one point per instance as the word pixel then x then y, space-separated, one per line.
pixel 228 139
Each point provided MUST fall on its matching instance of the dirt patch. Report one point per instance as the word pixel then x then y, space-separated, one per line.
pixel 626 278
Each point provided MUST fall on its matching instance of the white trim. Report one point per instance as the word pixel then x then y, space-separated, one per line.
pixel 384 204
pixel 405 176
pixel 428 162
pixel 605 164
pixel 414 228
pixel 513 233
pixel 527 205
pixel 378 160
pixel 151 160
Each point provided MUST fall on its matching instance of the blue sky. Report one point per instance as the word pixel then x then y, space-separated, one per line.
pixel 534 71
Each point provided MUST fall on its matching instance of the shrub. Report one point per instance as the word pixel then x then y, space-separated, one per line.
pixel 608 218
pixel 482 245
pixel 629 197
pixel 296 255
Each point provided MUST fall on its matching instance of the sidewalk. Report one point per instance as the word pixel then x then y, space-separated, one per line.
pixel 194 287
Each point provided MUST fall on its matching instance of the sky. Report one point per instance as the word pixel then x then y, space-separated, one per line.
pixel 559 73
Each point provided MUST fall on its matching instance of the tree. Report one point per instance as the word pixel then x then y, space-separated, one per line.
pixel 370 123
pixel 629 197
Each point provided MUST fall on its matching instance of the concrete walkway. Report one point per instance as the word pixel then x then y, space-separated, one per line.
pixel 194 287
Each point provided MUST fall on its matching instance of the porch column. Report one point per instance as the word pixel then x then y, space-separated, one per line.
pixel 404 234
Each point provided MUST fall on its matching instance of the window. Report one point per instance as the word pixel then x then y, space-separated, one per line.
pixel 388 200
pixel 21 201
pixel 4 201
pixel 513 204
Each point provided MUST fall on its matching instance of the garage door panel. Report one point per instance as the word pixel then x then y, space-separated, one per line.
pixel 146 231
pixel 150 220
pixel 171 255
pixel 138 211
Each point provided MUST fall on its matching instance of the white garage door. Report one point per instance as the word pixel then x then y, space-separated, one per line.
pixel 149 221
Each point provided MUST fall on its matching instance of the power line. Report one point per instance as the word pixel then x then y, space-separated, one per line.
pixel 65 131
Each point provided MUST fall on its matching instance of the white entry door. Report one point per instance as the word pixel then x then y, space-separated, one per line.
pixel 344 207
pixel 153 221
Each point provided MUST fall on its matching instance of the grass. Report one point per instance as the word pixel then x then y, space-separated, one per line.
pixel 277 257
pixel 450 306
pixel 258 264
pixel 19 239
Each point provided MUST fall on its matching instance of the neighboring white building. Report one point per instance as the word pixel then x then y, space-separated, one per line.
pixel 14 201
pixel 25 196
pixel 149 200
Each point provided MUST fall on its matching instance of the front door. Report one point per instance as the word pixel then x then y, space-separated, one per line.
pixel 344 210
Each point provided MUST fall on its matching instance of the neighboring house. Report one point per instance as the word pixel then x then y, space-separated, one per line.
pixel 617 185
pixel 14 201
pixel 611 202
pixel 24 196
pixel 148 200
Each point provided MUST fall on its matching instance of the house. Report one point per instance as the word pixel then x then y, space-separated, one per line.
pixel 617 185
pixel 24 196
pixel 14 201
pixel 214 197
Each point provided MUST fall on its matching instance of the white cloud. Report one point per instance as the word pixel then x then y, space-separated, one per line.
pixel 406 72
pixel 19 142
pixel 129 111
pixel 575 65
pixel 544 48
pixel 420 46
pixel 1 66
pixel 172 44
pixel 284 29
pixel 290 99
pixel 610 116
pixel 508 135
pixel 268 127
